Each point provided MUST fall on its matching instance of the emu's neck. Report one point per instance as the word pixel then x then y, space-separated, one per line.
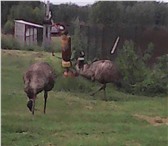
pixel 86 72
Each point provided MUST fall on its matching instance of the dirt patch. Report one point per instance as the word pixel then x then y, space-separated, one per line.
pixel 155 121
pixel 132 142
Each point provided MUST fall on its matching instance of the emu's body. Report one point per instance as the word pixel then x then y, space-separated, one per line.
pixel 39 77
pixel 103 71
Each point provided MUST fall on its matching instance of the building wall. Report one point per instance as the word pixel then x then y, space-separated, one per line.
pixel 30 35
pixel 26 34
pixel 20 32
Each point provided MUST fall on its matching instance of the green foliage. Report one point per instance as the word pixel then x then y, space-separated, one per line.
pixel 28 11
pixel 137 76
pixel 131 65
pixel 148 53
pixel 104 12
pixel 38 14
pixel 64 12
pixel 129 13
pixel 79 39
pixel 5 10
pixel 9 27
pixel 156 81
pixel 9 42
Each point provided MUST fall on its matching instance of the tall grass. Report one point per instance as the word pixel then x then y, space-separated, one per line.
pixel 56 44
pixel 10 43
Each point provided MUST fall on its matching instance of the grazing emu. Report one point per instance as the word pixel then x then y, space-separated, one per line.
pixel 103 71
pixel 39 76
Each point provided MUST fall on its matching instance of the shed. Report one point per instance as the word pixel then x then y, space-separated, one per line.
pixel 27 33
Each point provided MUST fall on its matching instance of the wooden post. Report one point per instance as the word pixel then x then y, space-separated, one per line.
pixel 103 41
pixel 47 29
pixel 88 42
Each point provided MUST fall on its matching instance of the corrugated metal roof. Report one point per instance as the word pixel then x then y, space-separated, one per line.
pixel 29 23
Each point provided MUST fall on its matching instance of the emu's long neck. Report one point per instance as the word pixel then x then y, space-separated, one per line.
pixel 86 72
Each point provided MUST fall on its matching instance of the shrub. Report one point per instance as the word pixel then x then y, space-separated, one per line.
pixel 131 65
pixel 137 76
pixel 9 27
pixel 9 42
pixel 156 82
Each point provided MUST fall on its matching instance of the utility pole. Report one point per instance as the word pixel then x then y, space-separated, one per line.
pixel 47 27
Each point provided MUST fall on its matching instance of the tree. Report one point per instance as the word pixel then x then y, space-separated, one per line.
pixel 9 27
pixel 104 12
pixel 5 10
pixel 132 66
pixel 38 15
pixel 79 38
pixel 64 12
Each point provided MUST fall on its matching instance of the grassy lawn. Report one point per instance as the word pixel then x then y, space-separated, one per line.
pixel 73 117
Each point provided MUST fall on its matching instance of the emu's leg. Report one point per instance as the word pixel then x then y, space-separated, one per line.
pixel 101 88
pixel 33 106
pixel 45 100
pixel 105 98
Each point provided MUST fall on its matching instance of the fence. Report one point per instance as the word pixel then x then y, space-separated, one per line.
pixel 100 39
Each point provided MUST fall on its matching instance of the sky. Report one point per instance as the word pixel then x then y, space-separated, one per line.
pixel 78 2
pixel 82 2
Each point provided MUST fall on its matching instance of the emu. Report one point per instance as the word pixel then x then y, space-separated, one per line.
pixel 39 77
pixel 103 71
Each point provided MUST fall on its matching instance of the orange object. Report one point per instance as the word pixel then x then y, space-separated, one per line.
pixel 65 74
pixel 66 47
pixel 70 74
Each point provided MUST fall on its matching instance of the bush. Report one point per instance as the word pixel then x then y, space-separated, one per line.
pixel 9 42
pixel 138 78
pixel 132 66
pixel 156 82
pixel 9 27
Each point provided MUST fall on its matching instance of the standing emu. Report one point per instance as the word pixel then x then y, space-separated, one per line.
pixel 103 71
pixel 39 76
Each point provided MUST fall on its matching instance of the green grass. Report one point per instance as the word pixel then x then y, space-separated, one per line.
pixel 73 117
pixel 56 44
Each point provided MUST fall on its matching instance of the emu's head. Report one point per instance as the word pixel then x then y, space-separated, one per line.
pixel 29 93
pixel 80 61
pixel 30 102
